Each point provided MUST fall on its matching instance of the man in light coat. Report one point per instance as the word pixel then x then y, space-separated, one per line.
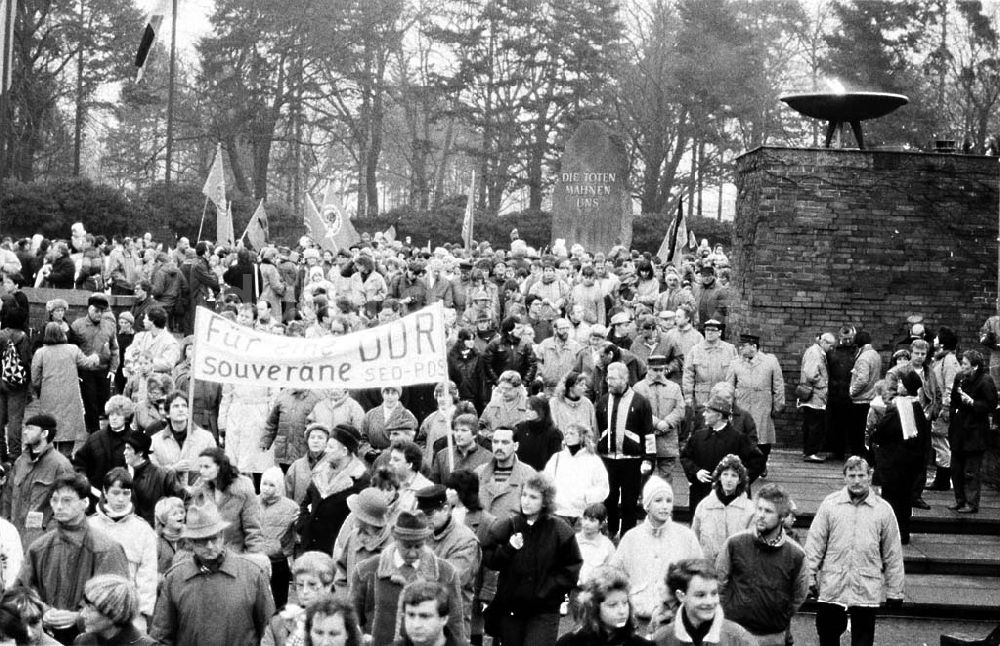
pixel 760 388
pixel 705 365
pixel 665 398
pixel 854 558
pixel 814 378
pixel 501 479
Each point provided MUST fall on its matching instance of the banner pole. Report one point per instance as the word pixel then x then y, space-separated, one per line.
pixel 204 210
pixel 194 356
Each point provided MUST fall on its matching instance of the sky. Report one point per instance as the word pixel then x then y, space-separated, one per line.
pixel 192 21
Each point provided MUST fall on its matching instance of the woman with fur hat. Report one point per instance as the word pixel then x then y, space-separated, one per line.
pixel 726 510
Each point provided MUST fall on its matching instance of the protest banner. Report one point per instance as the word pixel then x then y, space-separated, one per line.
pixel 401 353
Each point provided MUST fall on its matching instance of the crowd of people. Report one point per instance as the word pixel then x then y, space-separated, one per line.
pixel 530 490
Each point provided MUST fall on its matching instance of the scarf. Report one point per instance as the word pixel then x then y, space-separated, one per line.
pixel 573 448
pixel 113 516
pixel 209 566
pixel 697 634
pixel 725 499
pixel 170 535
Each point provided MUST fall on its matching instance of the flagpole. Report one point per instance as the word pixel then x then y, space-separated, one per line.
pixel 204 209
pixel 170 100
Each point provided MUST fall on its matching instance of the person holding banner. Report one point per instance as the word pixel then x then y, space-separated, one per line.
pixel 179 441
pixel 390 414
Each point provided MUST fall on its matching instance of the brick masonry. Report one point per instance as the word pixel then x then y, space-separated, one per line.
pixel 823 237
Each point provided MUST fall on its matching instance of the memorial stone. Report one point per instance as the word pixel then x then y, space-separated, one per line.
pixel 591 204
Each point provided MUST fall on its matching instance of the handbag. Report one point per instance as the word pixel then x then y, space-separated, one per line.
pixel 803 391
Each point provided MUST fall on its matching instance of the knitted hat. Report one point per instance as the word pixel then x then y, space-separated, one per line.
pixel 654 486
pixel 411 527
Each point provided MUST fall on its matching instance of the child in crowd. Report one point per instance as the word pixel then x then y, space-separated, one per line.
pixel 135 387
pixel 595 547
pixel 170 515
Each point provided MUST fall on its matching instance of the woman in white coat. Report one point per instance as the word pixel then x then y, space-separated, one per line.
pixel 578 473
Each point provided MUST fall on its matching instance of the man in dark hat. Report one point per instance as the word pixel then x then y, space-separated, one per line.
pixel 708 445
pixel 760 388
pixel 150 483
pixel 667 402
pixel 453 542
pixel 377 582
pixel 409 287
pixel 214 597
pixel 96 334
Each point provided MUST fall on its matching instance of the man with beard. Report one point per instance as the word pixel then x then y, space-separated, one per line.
pixel 762 576
pixel 557 355
pixel 625 428
pixel 854 558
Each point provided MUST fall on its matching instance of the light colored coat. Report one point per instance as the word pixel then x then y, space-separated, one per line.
pixel 866 371
pixel 760 390
pixel 714 522
pixel 645 554
pixel 665 398
pixel 555 359
pixel 814 373
pixel 54 373
pixel 272 287
pixel 166 452
pixel 243 414
pixel 139 542
pixel 704 366
pixel 580 480
pixel 502 499
pixel 853 552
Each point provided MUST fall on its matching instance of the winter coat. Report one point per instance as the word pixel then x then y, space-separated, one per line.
pixel 970 423
pixel 581 637
pixel 555 359
pixel 29 488
pixel 440 469
pixel 284 430
pixel 467 373
pixel 169 288
pixel 638 425
pixel 458 545
pixel 714 522
pixel 680 342
pixel 722 633
pixel 507 353
pixel 238 505
pixel 346 411
pixel 62 274
pixel 299 475
pixel 645 555
pixel 537 441
pixel 566 412
pixel 760 390
pixel 58 564
pixel 814 373
pixel 866 371
pixel 139 542
pixel 129 636
pixel 241 604
pixel 706 448
pixel 272 287
pixel 500 413
pixel 580 480
pixel 166 452
pixel 377 584
pixel 150 484
pixel 532 580
pixel 839 363
pixel 243 414
pixel 102 452
pixel 853 552
pixel 277 523
pixel 202 283
pixel 898 461
pixel 712 303
pixel 667 404
pixel 704 366
pixel 746 562
pixel 55 377
pixel 375 428
pixel 351 549
pixel 502 499
pixel 324 508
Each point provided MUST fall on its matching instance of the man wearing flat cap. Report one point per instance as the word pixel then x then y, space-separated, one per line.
pixel 96 334
pixel 409 287
pixel 453 542
pixel 705 365
pixel 760 388
pixel 665 398
pixel 707 446
pixel 378 582
pixel 214 596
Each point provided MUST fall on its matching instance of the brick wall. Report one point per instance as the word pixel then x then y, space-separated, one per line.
pixel 824 237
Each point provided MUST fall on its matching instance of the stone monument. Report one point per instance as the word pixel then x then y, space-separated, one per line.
pixel 591 204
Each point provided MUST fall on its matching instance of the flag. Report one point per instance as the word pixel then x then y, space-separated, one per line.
pixel 390 233
pixel 215 185
pixel 257 231
pixel 317 227
pixel 470 209
pixel 224 234
pixel 8 16
pixel 672 248
pixel 149 32
pixel 339 226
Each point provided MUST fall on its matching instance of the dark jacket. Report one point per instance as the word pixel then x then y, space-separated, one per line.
pixel 898 460
pixel 324 509
pixel 62 274
pixel 970 423
pixel 467 373
pixel 534 579
pixel 538 440
pixel 580 637
pixel 129 636
pixel 150 484
pixel 639 424
pixel 201 281
pixel 839 363
pixel 706 448
pixel 102 452
pixel 508 353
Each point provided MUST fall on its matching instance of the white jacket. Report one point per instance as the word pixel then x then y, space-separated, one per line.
pixel 580 480
pixel 138 540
